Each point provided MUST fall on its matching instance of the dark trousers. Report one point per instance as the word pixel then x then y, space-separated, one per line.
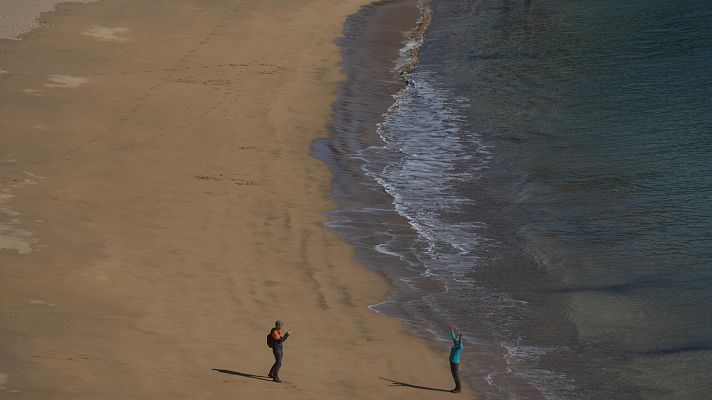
pixel 274 371
pixel 454 368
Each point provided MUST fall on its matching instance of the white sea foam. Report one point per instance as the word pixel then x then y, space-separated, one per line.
pixel 422 138
pixel 519 357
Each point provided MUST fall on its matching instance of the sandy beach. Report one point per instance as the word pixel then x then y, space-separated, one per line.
pixel 159 209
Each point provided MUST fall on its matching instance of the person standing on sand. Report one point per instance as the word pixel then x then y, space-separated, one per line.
pixel 274 341
pixel 455 351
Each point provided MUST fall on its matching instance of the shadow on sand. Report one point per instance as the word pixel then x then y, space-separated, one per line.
pixel 403 384
pixel 227 371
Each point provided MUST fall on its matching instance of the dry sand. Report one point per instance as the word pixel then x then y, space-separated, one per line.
pixel 159 209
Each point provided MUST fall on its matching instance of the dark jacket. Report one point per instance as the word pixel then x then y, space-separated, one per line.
pixel 277 343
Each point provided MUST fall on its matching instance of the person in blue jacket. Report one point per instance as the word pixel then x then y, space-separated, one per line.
pixel 455 351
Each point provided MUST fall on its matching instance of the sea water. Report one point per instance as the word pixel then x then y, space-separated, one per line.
pixel 544 181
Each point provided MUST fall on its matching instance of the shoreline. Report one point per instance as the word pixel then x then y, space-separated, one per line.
pixel 379 70
pixel 161 239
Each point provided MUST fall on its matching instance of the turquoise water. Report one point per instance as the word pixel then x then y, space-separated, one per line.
pixel 548 171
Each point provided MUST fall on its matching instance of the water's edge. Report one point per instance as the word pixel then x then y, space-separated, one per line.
pixel 380 55
pixel 380 49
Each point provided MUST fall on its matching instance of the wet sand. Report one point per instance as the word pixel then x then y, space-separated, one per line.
pixel 159 209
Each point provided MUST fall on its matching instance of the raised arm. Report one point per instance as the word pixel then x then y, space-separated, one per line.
pixel 452 334
pixel 285 336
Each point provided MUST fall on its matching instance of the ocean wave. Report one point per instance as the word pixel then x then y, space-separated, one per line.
pixel 407 215
pixel 426 151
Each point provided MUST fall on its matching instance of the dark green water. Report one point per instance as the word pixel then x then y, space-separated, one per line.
pixel 599 119
pixel 551 164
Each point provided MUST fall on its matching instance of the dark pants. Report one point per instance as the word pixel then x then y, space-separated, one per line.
pixel 454 368
pixel 274 371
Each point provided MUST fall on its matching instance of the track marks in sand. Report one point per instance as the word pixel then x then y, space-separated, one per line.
pixel 223 78
pixel 221 177
pixel 169 72
pixel 166 74
pixel 310 271
pixel 212 34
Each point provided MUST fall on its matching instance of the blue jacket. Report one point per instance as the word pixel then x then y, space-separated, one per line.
pixel 456 348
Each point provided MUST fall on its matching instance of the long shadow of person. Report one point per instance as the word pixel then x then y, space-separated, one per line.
pixel 403 384
pixel 243 374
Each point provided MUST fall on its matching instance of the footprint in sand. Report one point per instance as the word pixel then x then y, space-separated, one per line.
pixel 66 81
pixel 106 34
